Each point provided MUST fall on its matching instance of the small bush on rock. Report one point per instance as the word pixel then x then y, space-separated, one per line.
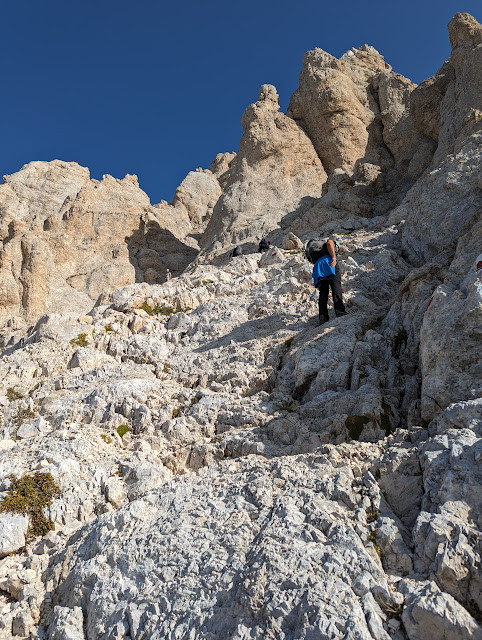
pixel 122 429
pixel 23 415
pixel 29 495
pixel 13 395
pixel 80 340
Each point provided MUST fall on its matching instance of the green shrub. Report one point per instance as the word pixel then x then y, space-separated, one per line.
pixel 372 515
pixel 355 425
pixel 288 342
pixel 80 340
pixel 107 439
pixel 122 429
pixel 29 495
pixel 23 415
pixel 145 306
pixel 13 395
pixel 166 311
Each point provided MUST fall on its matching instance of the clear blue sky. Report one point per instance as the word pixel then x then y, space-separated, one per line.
pixel 157 87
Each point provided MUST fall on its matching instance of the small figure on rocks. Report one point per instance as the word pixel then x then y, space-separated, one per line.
pixel 326 273
pixel 237 251
pixel 264 245
pixel 168 275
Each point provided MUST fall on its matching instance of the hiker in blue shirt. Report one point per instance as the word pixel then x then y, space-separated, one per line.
pixel 326 274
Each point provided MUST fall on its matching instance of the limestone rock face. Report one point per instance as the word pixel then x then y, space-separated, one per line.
pixel 68 239
pixel 276 171
pixel 220 167
pixel 355 111
pixel 198 193
pixel 333 103
pixel 447 107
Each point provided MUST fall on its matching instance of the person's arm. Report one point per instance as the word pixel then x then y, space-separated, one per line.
pixel 330 245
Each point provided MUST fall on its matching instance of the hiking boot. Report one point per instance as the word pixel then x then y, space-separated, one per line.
pixel 338 314
pixel 323 319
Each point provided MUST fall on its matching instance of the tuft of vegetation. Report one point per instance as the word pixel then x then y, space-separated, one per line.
pixel 109 328
pixel 355 425
pixel 28 496
pixel 391 609
pixel 122 429
pixel 175 413
pixel 166 368
pixel 166 311
pixel 288 342
pixel 372 515
pixel 373 535
pixel 385 421
pixel 24 415
pixel 163 311
pixel 80 340
pixel 205 282
pixel 13 395
pixel 145 306
pixel 378 474
pixel 107 439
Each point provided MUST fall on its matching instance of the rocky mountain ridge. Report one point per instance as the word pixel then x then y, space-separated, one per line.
pixel 226 467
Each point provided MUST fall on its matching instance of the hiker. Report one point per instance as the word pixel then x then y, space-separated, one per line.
pixel 168 275
pixel 237 251
pixel 326 274
pixel 264 245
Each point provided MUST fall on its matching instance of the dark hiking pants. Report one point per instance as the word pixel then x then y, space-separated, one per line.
pixel 324 288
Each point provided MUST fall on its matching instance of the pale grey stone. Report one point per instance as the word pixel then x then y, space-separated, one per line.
pixel 67 624
pixel 13 528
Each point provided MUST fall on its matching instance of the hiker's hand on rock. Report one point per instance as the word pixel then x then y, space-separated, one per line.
pixel 333 262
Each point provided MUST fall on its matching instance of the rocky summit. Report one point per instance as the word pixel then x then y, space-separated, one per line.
pixel 195 457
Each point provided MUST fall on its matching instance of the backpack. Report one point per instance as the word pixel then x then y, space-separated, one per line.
pixel 315 248
pixel 323 271
pixel 263 245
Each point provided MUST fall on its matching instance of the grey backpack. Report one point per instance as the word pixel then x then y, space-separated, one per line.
pixel 314 248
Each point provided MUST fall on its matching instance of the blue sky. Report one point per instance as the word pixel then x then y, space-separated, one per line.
pixel 158 88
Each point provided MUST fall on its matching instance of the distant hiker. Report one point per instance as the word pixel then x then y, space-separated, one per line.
pixel 237 251
pixel 478 263
pixel 264 245
pixel 326 274
pixel 168 275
